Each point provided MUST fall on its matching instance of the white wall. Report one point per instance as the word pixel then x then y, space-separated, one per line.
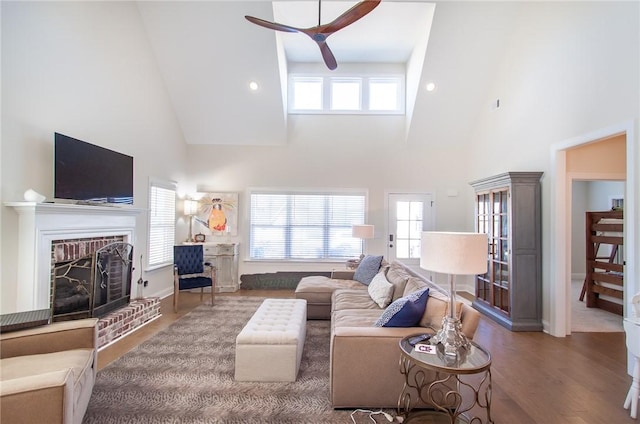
pixel 340 152
pixel 571 68
pixel 83 69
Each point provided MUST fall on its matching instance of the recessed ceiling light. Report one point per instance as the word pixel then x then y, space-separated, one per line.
pixel 253 86
pixel 431 86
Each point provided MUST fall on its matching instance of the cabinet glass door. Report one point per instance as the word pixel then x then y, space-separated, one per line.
pixel 499 240
pixel 483 284
pixel 492 218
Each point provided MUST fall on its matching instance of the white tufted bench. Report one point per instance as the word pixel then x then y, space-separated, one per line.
pixel 269 347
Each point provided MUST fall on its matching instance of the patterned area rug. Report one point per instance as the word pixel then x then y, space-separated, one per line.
pixel 184 374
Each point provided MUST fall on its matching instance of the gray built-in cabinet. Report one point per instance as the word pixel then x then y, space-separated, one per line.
pixel 508 209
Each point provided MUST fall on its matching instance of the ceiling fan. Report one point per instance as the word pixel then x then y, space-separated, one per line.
pixel 320 32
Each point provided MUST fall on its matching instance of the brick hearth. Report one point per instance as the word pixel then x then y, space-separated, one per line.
pixel 126 319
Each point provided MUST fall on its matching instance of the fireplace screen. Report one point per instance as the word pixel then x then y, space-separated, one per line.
pixel 72 288
pixel 93 285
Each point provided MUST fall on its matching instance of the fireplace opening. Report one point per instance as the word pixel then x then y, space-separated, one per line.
pixel 72 289
pixel 94 284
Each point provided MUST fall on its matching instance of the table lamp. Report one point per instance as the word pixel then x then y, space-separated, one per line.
pixel 190 209
pixel 362 231
pixel 453 254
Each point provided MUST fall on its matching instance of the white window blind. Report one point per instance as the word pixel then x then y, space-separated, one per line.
pixel 162 224
pixel 305 225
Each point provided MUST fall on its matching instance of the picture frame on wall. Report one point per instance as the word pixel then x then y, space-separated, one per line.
pixel 217 213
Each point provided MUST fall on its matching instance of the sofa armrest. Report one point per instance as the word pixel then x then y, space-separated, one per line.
pixel 342 274
pixel 56 337
pixel 364 369
pixel 39 398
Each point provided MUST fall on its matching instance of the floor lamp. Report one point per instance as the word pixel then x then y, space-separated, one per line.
pixel 453 254
pixel 190 209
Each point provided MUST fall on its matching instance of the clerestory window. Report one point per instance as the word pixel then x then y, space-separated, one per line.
pixel 313 94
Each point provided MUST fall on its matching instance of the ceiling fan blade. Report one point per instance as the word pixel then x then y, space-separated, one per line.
pixel 271 25
pixel 327 55
pixel 350 16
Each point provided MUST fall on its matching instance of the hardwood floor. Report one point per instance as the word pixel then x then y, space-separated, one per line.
pixel 537 378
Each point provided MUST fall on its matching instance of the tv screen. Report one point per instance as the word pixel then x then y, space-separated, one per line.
pixel 90 173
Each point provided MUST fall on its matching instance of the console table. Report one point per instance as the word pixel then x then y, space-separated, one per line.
pixel 446 392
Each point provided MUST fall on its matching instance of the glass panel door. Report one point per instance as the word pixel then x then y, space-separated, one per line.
pixel 409 215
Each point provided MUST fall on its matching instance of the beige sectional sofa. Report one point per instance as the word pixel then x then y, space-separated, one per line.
pixel 364 369
pixel 48 372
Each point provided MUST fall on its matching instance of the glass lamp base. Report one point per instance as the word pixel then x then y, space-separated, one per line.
pixel 451 336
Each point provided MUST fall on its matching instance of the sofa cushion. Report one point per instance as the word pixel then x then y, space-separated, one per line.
pixel 381 290
pixel 353 299
pixel 437 308
pixel 355 318
pixel 368 268
pixel 318 289
pixel 406 311
pixel 398 276
pixel 413 285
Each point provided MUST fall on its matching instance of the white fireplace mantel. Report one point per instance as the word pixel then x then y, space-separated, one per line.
pixel 42 223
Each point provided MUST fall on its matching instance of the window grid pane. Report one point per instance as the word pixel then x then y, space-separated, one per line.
pixel 409 225
pixel 305 226
pixel 346 95
pixel 384 94
pixel 307 94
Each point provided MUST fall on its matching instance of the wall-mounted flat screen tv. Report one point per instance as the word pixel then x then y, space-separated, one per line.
pixel 88 173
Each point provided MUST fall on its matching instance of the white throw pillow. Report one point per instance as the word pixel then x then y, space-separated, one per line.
pixel 381 290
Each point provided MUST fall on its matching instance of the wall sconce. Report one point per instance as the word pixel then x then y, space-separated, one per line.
pixel 190 209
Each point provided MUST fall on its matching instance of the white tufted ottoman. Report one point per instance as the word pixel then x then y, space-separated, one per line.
pixel 269 347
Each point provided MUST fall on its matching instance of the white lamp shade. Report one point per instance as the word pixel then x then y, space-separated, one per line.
pixel 454 253
pixel 363 231
pixel 190 207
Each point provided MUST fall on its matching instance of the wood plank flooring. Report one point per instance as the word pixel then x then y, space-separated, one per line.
pixel 537 378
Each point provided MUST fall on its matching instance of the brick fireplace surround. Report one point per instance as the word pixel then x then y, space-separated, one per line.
pixel 52 232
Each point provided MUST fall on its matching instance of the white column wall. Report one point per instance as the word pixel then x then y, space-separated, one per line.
pixel 84 69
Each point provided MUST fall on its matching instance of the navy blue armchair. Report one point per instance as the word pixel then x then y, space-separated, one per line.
pixel 191 272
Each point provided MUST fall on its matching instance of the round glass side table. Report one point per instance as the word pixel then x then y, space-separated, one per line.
pixel 445 383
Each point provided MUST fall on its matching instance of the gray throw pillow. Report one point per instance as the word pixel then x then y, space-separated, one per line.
pixel 367 269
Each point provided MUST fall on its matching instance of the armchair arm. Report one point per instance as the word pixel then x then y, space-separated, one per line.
pixel 56 337
pixel 47 397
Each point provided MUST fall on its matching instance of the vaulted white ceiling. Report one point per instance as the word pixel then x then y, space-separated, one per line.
pixel 208 53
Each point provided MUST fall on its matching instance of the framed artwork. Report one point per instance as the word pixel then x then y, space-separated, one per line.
pixel 217 214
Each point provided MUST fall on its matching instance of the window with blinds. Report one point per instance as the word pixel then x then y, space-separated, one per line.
pixel 162 223
pixel 304 226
